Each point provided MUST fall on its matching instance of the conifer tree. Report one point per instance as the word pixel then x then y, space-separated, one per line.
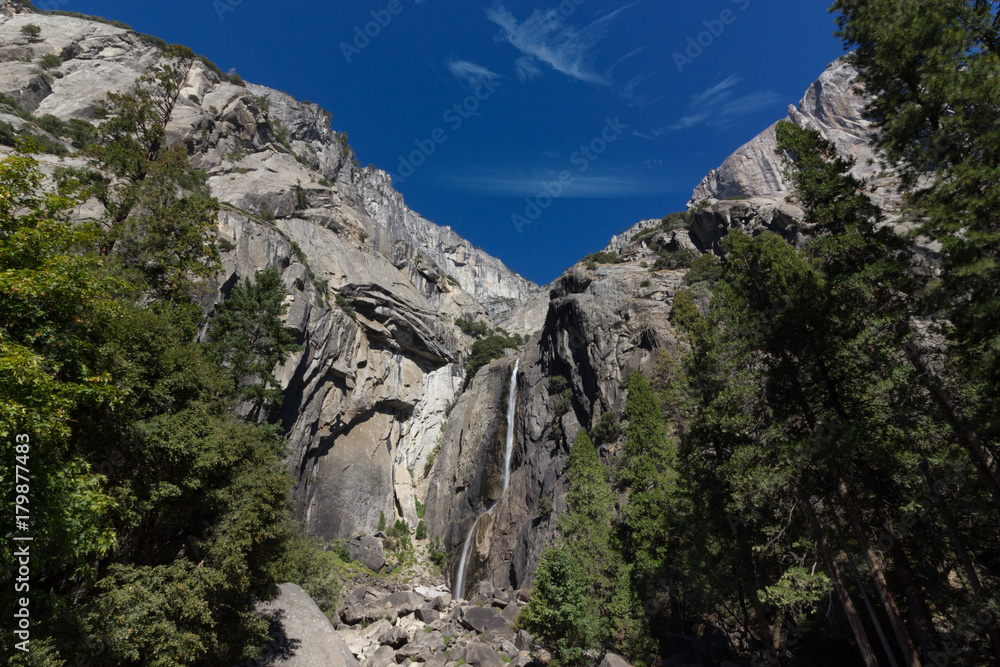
pixel 249 338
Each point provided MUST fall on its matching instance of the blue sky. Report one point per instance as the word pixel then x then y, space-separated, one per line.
pixel 574 118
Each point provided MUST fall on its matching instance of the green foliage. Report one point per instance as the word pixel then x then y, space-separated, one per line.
pixel 421 533
pixel 10 105
pixel 603 258
pixel 79 131
pixel 31 30
pixel 381 522
pixel 397 537
pixel 685 313
pixel 561 610
pixel 607 429
pixel 670 223
pixel 301 199
pixel 247 336
pixel 933 72
pixel 473 328
pixel 706 268
pixel 8 137
pixel 50 60
pixel 420 510
pixel 486 350
pixel 321 570
pixel 345 306
pixel 679 259
pixel 134 568
pixel 583 597
pixel 280 131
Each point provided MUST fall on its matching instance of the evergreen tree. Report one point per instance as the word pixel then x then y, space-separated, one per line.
pixel 248 336
pixel 649 472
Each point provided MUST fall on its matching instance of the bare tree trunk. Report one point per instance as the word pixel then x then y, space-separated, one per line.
pixel 864 596
pixel 845 599
pixel 881 585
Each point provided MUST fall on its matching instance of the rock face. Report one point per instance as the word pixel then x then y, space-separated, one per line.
pixel 833 106
pixel 600 326
pixel 366 396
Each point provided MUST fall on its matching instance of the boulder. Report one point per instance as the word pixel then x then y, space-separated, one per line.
pixel 302 636
pixel 614 660
pixel 427 615
pixel 401 604
pixel 486 620
pixel 367 551
pixel 523 640
pixel 478 654
pixel 383 656
pixel 395 638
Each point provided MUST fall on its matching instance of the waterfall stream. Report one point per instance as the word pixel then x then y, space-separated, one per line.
pixel 459 583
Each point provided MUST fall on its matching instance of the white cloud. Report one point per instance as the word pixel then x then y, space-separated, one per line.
pixel 527 68
pixel 545 37
pixel 716 106
pixel 651 135
pixel 469 73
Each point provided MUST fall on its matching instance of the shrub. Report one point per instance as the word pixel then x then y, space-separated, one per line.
pixel 194 98
pixel 381 522
pixel 10 105
pixel 471 328
pixel 420 510
pixel 7 135
pixel 707 268
pixel 50 60
pixel 31 30
pixel 680 259
pixel 345 306
pixel 486 350
pixel 557 383
pixel 603 258
pixel 645 283
pixel 421 531
pixel 607 429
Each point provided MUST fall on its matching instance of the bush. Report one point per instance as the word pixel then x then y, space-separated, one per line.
pixel 345 306
pixel 421 531
pixel 420 510
pixel 320 572
pixel 603 258
pixel 680 259
pixel 50 60
pixel 381 522
pixel 8 137
pixel 471 328
pixel 607 429
pixel 707 268
pixel 31 30
pixel 486 350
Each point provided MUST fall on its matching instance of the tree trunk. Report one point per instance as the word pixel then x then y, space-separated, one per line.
pixel 981 455
pixel 864 596
pixel 912 658
pixel 845 599
pixel 926 633
pixel 963 554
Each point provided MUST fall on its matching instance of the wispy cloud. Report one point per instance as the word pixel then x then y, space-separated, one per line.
pixel 719 105
pixel 651 135
pixel 545 37
pixel 470 73
pixel 491 183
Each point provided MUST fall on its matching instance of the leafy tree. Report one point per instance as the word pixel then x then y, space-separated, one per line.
pixel 249 338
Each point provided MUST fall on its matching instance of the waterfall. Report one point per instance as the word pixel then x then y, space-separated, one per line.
pixel 508 449
pixel 511 410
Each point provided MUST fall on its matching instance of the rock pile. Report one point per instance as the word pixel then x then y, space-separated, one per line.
pixel 426 626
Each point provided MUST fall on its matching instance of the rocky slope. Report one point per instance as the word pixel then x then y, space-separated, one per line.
pixel 367 394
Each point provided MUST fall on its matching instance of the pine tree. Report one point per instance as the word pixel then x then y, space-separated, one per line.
pixel 248 336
